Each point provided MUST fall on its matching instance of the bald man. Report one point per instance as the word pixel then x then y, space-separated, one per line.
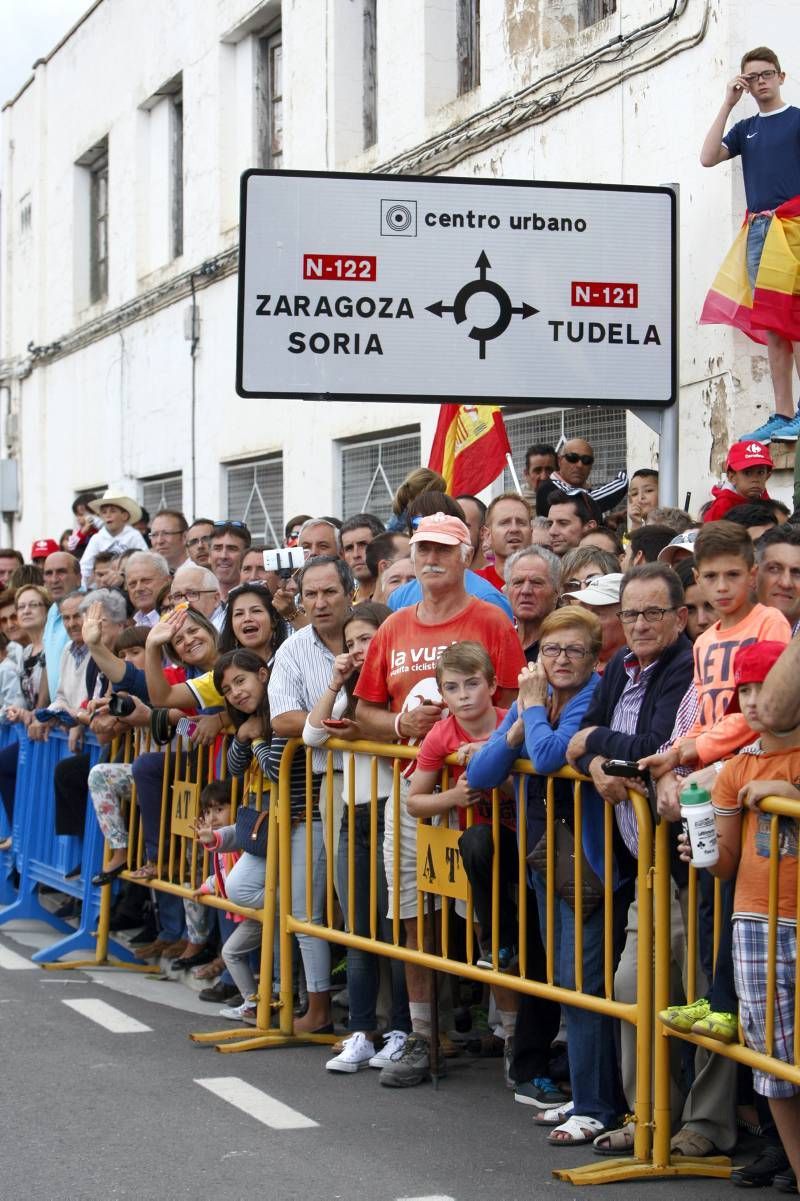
pixel 575 462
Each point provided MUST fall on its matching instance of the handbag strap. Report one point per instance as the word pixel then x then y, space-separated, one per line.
pixel 258 823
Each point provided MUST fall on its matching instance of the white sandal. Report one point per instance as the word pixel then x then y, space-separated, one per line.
pixel 580 1130
pixel 553 1117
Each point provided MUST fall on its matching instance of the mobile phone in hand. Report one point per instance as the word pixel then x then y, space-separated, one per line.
pixel 335 723
pixel 627 768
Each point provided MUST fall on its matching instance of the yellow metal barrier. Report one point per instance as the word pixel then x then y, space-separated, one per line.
pixel 776 807
pixel 433 848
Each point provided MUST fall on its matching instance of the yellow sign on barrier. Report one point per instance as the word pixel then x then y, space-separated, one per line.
pixel 185 801
pixel 439 866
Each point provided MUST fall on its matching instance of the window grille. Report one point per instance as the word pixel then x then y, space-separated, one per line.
pixel 163 492
pixel 373 470
pixel 255 496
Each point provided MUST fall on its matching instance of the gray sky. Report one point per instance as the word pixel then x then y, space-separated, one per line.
pixel 29 29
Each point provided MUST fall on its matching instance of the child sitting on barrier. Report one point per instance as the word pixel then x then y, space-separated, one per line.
pixel 332 716
pixel 741 785
pixel 241 678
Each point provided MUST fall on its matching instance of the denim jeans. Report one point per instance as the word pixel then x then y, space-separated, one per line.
pixel 363 968
pixel 756 237
pixel 591 1045
pixel 171 918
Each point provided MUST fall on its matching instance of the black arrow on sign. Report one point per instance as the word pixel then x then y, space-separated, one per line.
pixel 483 264
pixel 438 307
pixel 525 310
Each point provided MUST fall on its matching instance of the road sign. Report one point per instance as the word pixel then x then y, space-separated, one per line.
pixel 375 287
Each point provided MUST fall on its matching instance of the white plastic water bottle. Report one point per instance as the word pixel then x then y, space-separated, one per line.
pixel 698 822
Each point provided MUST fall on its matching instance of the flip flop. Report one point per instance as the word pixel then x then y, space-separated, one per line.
pixel 148 871
pixel 553 1117
pixel 579 1130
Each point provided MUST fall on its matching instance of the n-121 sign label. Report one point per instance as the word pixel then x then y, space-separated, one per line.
pixel 453 290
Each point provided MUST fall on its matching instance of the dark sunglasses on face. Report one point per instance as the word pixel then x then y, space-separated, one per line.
pixel 571 457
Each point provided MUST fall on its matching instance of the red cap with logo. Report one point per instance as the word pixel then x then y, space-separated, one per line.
pixel 748 454
pixel 752 665
pixel 43 547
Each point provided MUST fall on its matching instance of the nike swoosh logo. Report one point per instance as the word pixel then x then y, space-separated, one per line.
pixel 751 135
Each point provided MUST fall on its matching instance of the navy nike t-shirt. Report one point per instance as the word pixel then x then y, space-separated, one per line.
pixel 769 144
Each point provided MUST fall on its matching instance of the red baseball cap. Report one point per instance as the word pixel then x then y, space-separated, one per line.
pixel 43 547
pixel 748 454
pixel 751 665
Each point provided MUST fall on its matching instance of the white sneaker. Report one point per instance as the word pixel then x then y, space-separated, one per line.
pixel 246 1012
pixel 356 1053
pixel 393 1043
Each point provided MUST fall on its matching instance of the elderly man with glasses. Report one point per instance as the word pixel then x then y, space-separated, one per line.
pixel 198 587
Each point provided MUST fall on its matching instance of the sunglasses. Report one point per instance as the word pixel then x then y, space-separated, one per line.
pixel 571 457
pixel 232 525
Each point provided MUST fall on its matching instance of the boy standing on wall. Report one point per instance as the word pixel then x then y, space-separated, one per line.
pixel 760 303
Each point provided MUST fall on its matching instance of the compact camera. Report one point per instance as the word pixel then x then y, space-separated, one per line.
pixel 284 561
pixel 121 706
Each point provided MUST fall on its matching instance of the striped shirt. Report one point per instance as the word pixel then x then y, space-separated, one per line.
pixel 607 495
pixel 301 673
pixel 623 721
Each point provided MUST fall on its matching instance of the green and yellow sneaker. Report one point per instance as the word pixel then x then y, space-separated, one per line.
pixel 683 1017
pixel 724 1027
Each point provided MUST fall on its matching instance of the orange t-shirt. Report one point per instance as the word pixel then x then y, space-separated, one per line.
pixel 400 667
pixel 752 880
pixel 719 734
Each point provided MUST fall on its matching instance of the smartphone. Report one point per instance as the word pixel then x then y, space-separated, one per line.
pixel 186 726
pixel 335 723
pixel 628 768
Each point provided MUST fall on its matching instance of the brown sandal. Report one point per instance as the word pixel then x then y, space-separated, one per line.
pixel 148 871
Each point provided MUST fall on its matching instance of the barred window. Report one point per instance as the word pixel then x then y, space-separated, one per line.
pixel 374 469
pixel 255 496
pixel 162 492
pixel 604 428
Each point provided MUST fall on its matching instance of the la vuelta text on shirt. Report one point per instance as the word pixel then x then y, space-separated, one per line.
pixel 418 658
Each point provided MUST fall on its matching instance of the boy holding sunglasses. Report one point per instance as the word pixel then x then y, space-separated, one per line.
pixel 769 146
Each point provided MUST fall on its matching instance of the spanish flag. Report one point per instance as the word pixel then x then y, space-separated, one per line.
pixel 469 447
pixel 774 304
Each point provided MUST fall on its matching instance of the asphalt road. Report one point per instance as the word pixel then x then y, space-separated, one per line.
pixel 91 1113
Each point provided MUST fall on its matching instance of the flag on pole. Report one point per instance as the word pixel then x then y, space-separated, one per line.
pixel 774 303
pixel 469 447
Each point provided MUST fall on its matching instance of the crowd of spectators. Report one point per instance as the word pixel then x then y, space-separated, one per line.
pixel 569 623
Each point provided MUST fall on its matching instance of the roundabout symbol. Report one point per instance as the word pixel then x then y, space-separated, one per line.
pixel 483 333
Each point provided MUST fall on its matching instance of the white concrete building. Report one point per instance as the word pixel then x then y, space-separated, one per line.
pixel 122 157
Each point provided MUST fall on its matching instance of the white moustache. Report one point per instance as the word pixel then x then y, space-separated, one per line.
pixel 434 571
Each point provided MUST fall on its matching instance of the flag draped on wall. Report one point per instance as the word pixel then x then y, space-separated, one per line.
pixel 774 303
pixel 469 447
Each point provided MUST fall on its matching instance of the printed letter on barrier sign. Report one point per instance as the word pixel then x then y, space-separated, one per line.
pixel 439 866
pixel 185 798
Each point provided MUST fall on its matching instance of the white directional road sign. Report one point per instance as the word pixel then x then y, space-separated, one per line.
pixel 380 287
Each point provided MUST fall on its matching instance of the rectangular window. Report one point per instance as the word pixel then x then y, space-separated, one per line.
pixel 269 93
pixel 176 164
pixel 162 492
pixel 255 496
pixel 373 470
pixel 98 222
pixel 604 428
pixel 592 11
pixel 370 57
pixel 468 33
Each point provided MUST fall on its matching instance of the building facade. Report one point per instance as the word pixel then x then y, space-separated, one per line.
pixel 122 158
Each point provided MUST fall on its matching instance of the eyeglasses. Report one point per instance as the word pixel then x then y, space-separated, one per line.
pixel 190 595
pixel 192 542
pixel 754 78
pixel 571 457
pixel 552 650
pixel 652 614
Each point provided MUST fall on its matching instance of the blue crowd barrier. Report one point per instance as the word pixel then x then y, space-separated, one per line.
pixel 43 857
pixel 8 869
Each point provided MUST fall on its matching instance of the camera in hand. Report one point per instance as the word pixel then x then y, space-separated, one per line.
pixel 284 561
pixel 121 706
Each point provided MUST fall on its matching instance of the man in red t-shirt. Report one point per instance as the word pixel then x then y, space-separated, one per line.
pixel 508 524
pixel 398 697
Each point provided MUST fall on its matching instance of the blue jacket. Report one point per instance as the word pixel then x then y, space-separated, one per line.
pixel 546 747
pixel 476 585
